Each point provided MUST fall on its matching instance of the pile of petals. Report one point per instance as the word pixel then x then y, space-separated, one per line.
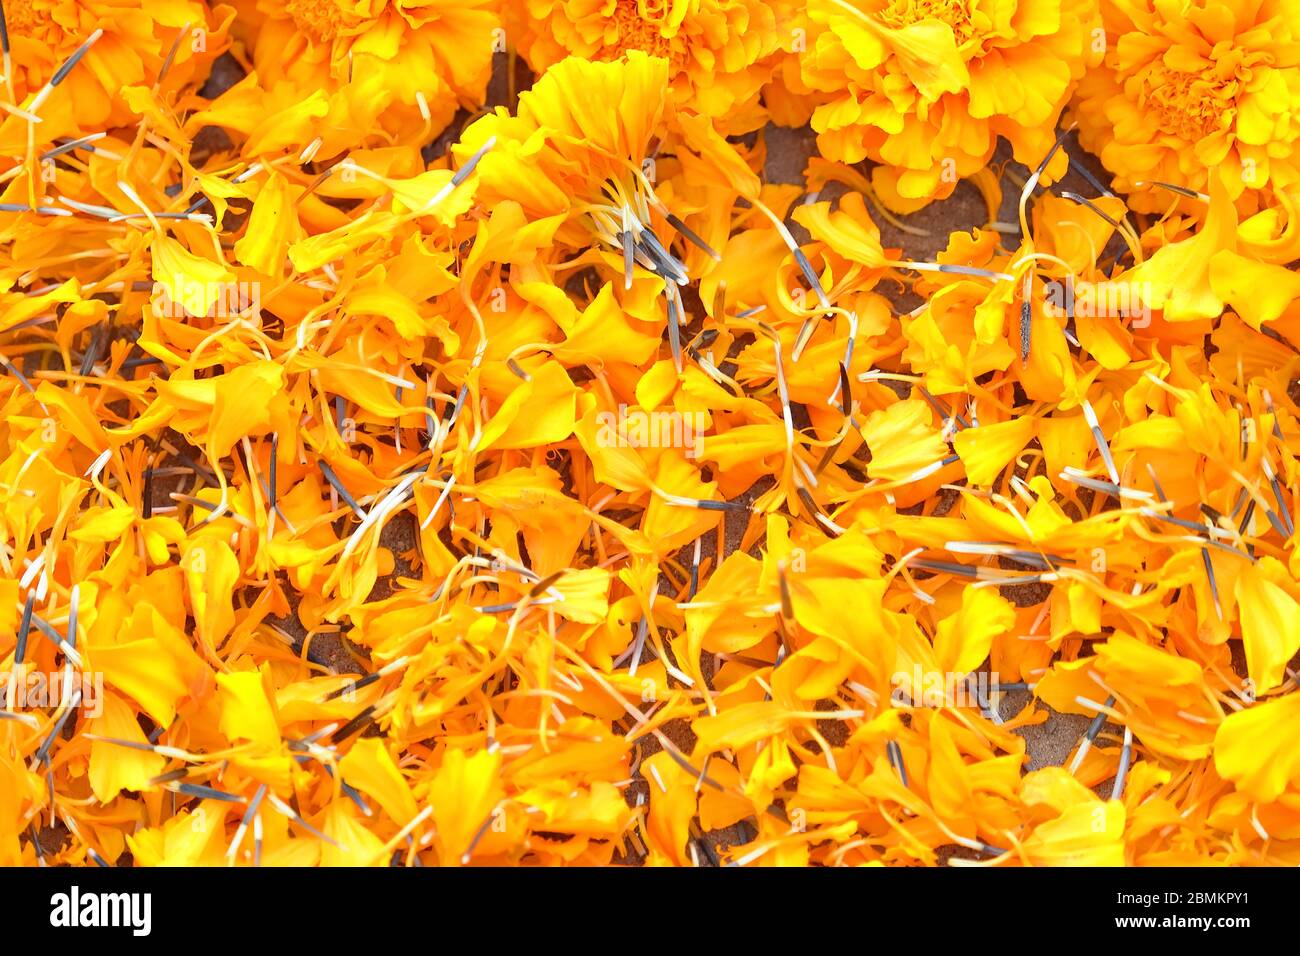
pixel 391 478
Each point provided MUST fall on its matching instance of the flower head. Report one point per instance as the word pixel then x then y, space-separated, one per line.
pixel 926 87
pixel 1190 92
pixel 719 52
pixel 392 66
pixel 163 45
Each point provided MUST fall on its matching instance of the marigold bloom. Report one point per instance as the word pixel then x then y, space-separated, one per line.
pixel 403 66
pixel 1193 92
pixel 926 87
pixel 719 51
pixel 174 41
pixel 574 167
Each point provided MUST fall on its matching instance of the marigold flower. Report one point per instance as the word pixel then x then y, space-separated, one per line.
pixel 1192 93
pixel 402 67
pixel 170 44
pixel 719 52
pixel 926 88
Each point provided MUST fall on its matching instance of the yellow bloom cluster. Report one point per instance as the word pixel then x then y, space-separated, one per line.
pixel 1194 91
pixel 926 87
pixel 400 469
pixel 720 53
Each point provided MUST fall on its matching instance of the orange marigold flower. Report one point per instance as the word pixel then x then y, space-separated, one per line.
pixel 581 172
pixel 377 61
pixel 126 45
pixel 1187 88
pixel 926 87
pixel 719 51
